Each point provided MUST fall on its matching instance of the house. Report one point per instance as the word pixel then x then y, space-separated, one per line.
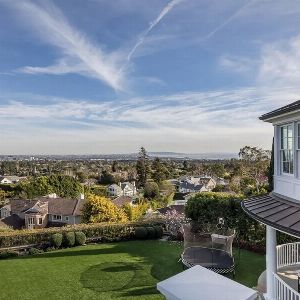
pixel 191 187
pixel 280 210
pixel 9 179
pixel 181 198
pixel 122 200
pixel 196 184
pixel 43 212
pixel 122 189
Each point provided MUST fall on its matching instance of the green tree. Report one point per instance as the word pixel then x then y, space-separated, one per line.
pixel 271 169
pixel 99 209
pixel 254 163
pixel 142 167
pixel 106 178
pixel 114 166
pixel 159 171
pixel 151 190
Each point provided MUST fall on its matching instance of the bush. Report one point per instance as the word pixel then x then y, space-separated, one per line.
pixel 35 251
pixel 80 238
pixel 56 240
pixel 151 232
pixel 141 233
pixel 98 231
pixel 8 254
pixel 69 239
pixel 158 231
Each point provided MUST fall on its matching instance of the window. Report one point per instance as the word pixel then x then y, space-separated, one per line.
pixel 40 221
pixel 56 217
pixel 67 218
pixel 31 221
pixel 298 127
pixel 286 149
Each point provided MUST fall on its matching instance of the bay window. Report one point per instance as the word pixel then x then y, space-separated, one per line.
pixel 286 149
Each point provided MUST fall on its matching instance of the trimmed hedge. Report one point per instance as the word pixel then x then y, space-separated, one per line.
pixel 8 254
pixel 69 239
pixel 151 232
pixel 158 231
pixel 56 240
pixel 80 238
pixel 99 232
pixel 141 233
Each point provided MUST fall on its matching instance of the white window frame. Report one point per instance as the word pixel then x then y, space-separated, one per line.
pixel 66 218
pixel 31 221
pixel 287 149
pixel 57 217
pixel 40 221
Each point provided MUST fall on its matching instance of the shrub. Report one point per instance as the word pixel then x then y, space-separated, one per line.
pixel 80 238
pixel 56 240
pixel 8 254
pixel 151 232
pixel 35 251
pixel 69 239
pixel 141 233
pixel 158 231
pixel 98 231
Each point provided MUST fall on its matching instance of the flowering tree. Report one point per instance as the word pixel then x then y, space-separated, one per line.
pixel 174 222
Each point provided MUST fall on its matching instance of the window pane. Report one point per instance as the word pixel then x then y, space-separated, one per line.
pixel 285 167
pixel 290 143
pixel 285 143
pixel 284 155
pixel 290 131
pixel 284 134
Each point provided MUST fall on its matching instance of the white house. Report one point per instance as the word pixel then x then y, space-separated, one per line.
pixel 9 179
pixel 122 189
pixel 280 210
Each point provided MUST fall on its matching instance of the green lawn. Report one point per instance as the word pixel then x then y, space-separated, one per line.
pixel 125 270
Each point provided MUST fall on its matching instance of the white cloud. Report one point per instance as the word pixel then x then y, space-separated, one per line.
pixel 236 63
pixel 153 24
pixel 280 63
pixel 80 55
pixel 220 121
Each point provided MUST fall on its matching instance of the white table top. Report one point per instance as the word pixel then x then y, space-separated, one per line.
pixel 199 283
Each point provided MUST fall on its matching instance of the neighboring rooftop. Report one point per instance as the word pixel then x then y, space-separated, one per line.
pixel 281 111
pixel 122 200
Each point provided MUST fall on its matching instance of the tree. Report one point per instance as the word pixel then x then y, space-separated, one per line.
pixel 142 167
pixel 159 171
pixel 106 178
pixel 3 198
pixel 271 169
pixel 99 209
pixel 136 212
pixel 114 166
pixel 151 190
pixel 254 163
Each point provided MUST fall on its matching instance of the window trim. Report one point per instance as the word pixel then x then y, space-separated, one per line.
pixel 281 149
pixel 56 217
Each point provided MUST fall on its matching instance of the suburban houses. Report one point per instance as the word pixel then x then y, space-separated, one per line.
pixel 41 212
pixel 122 189
pixel 9 179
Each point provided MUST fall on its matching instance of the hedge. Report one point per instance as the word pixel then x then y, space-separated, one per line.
pixel 69 239
pixel 100 231
pixel 207 207
pixel 80 238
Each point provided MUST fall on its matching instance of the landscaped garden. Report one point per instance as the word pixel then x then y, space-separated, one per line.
pixel 125 270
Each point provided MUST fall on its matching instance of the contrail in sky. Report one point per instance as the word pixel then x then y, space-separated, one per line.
pixel 155 22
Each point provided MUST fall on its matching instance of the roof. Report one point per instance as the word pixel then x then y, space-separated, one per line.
pixel 272 210
pixel 122 200
pixel 21 205
pixel 180 196
pixel 38 208
pixel 59 206
pixel 178 208
pixel 280 111
pixel 190 186
pixel 201 283
pixel 62 206
pixel 13 221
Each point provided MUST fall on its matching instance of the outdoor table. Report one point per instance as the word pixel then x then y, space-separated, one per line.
pixel 199 283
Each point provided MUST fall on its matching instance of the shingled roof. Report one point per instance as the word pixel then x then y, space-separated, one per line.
pixel 281 111
pixel 276 212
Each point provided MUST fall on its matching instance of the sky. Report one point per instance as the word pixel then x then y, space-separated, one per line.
pixel 102 76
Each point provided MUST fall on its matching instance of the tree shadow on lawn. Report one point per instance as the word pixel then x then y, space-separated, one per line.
pixel 120 278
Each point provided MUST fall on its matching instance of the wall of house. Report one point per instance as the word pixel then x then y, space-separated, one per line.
pixel 4 212
pixel 36 218
pixel 287 185
pixel 68 219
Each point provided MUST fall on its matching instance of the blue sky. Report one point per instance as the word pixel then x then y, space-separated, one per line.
pixel 100 76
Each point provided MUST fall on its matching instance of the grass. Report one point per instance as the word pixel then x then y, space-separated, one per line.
pixel 125 270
